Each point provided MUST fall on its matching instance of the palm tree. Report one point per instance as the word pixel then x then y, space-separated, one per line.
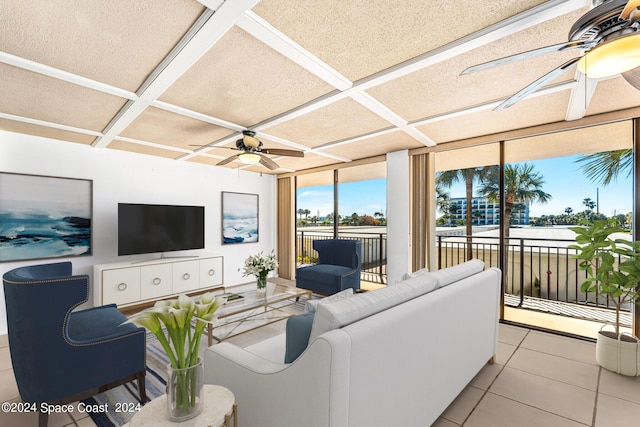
pixel 468 176
pixel 603 168
pixel 522 185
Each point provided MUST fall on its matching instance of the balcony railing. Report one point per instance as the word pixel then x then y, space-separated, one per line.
pixel 374 251
pixel 538 270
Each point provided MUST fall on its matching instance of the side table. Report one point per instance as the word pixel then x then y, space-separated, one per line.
pixel 219 407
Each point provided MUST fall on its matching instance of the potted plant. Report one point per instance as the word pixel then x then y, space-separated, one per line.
pixel 260 265
pixel 612 267
pixel 184 321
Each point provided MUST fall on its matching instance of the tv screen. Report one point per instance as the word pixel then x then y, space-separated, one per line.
pixel 144 229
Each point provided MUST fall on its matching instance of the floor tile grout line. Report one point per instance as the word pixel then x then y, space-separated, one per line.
pixel 494 380
pixel 538 409
pixel 555 379
pixel 595 400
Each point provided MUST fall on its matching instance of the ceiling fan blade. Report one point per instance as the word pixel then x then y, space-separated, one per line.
pixel 531 88
pixel 229 159
pixel 529 54
pixel 282 152
pixel 629 8
pixel 633 77
pixel 265 161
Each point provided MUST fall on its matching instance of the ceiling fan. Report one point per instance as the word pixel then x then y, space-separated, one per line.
pixel 253 152
pixel 609 36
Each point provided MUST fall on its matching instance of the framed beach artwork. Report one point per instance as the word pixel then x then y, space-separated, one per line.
pixel 44 217
pixel 239 218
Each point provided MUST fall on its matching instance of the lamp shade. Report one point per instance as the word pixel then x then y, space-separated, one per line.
pixel 611 58
pixel 249 158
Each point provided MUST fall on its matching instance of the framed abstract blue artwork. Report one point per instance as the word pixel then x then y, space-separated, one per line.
pixel 44 217
pixel 239 218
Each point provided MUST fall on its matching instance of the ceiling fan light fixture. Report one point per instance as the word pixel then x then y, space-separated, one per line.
pixel 249 158
pixel 611 58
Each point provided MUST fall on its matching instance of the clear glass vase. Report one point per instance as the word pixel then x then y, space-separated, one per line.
pixel 184 388
pixel 262 283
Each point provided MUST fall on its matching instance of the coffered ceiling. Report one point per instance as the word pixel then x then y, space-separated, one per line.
pixel 340 80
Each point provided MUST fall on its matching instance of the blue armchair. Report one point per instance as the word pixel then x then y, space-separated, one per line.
pixel 61 356
pixel 338 267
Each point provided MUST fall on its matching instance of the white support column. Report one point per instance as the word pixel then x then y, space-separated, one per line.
pixel 398 225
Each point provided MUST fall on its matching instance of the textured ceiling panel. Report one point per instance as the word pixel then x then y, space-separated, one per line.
pixel 143 149
pixel 259 78
pixel 370 147
pixel 587 140
pixel 523 114
pixel 47 132
pixel 244 81
pixel 113 42
pixel 440 88
pixel 163 127
pixel 27 94
pixel 359 38
pixel 469 157
pixel 613 94
pixel 311 160
pixel 204 160
pixel 338 121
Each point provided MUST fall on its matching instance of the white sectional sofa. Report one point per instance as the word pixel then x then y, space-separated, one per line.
pixel 392 357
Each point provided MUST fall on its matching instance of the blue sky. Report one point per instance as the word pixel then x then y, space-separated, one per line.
pixel 563 180
pixel 362 197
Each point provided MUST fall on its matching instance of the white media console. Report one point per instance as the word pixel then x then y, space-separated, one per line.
pixel 128 283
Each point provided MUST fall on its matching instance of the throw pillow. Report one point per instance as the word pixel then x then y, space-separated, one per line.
pixel 311 305
pixel 297 335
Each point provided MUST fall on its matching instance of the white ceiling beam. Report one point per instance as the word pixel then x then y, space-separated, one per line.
pixel 509 26
pixel 204 34
pixel 355 139
pixel 49 124
pixel 547 90
pixel 534 16
pixel 66 76
pixel 151 144
pixel 198 116
pixel 275 39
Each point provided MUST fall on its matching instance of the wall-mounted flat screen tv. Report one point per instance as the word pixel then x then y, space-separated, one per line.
pixel 144 229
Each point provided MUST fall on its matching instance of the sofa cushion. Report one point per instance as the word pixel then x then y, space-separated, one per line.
pixel 312 304
pixel 349 310
pixel 420 272
pixel 297 333
pixel 446 276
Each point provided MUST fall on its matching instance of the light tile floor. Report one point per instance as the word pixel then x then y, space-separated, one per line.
pixel 539 379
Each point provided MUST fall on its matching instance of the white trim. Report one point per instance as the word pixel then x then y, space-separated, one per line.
pixel 56 73
pixel 152 144
pixel 275 39
pixel 49 124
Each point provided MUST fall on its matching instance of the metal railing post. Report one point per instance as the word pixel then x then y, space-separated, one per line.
pixel 521 272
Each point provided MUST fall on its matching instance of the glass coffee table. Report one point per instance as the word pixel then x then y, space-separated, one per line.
pixel 254 310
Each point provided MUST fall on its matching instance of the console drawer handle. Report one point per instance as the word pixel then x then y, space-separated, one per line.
pixel 186 276
pixel 157 281
pixel 212 272
pixel 122 286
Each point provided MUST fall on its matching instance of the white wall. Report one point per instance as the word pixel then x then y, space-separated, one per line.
pixel 134 178
pixel 398 225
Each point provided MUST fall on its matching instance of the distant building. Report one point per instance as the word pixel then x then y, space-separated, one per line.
pixel 484 212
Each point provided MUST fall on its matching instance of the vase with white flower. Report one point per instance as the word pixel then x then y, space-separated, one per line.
pixel 260 265
pixel 181 342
